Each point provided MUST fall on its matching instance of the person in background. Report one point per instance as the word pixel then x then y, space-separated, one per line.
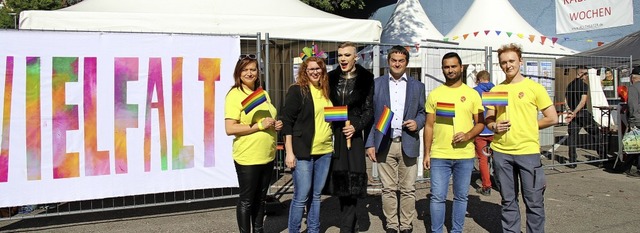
pixel 578 117
pixel 448 143
pixel 634 115
pixel 308 141
pixel 351 85
pixel 254 145
pixel 516 153
pixel 397 151
pixel 482 141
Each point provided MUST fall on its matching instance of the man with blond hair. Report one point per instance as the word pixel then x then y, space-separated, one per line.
pixel 516 147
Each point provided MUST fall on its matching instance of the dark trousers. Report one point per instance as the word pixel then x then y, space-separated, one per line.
pixel 348 220
pixel 254 182
pixel 591 127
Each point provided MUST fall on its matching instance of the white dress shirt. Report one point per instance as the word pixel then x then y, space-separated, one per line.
pixel 398 93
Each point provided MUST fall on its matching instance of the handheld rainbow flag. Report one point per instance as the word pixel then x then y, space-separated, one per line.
pixel 495 98
pixel 337 113
pixel 445 109
pixel 256 98
pixel 384 123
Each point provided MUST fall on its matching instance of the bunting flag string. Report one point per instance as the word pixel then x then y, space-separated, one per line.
pixel 532 38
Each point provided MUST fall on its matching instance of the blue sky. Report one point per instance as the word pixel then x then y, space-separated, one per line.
pixel 445 14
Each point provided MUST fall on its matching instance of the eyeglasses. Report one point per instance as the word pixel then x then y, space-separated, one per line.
pixel 318 69
pixel 247 56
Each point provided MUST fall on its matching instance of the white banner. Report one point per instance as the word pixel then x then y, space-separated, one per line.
pixel 583 15
pixel 96 115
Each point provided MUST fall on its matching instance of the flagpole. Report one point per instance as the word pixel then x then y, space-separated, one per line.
pixel 453 126
pixel 346 124
pixel 506 115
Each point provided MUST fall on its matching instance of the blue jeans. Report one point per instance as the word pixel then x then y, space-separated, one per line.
pixel 309 177
pixel 441 171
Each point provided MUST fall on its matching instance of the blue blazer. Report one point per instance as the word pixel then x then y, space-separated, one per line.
pixel 413 110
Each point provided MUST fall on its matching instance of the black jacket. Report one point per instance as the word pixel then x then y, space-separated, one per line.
pixel 297 118
pixel 359 102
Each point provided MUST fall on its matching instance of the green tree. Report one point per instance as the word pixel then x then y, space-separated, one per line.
pixel 17 6
pixel 334 5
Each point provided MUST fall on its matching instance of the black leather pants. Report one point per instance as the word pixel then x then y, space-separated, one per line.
pixel 254 182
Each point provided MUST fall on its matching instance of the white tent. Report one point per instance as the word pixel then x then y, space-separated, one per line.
pixel 495 23
pixel 407 26
pixel 288 19
pixel 290 23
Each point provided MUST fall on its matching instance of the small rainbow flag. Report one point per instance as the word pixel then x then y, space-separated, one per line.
pixel 384 123
pixel 445 109
pixel 337 113
pixel 495 98
pixel 256 98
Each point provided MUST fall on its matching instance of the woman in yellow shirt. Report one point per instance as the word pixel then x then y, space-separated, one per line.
pixel 254 145
pixel 308 141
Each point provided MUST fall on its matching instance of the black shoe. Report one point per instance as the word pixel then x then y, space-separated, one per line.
pixel 391 230
pixel 406 231
pixel 571 166
pixel 635 174
pixel 484 191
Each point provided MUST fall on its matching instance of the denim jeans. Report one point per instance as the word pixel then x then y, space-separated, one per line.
pixel 309 177
pixel 441 171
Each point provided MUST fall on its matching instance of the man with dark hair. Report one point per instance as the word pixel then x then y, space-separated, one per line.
pixel 397 150
pixel 579 117
pixel 634 114
pixel 453 120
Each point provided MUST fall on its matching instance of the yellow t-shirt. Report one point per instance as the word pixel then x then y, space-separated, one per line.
pixel 526 98
pixel 256 148
pixel 322 140
pixel 467 102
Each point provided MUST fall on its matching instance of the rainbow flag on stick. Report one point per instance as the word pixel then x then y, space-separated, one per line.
pixel 338 113
pixel 384 122
pixel 445 109
pixel 495 98
pixel 256 98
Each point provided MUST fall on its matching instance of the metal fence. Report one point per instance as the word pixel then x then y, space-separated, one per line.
pixel 279 61
pixel 597 133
